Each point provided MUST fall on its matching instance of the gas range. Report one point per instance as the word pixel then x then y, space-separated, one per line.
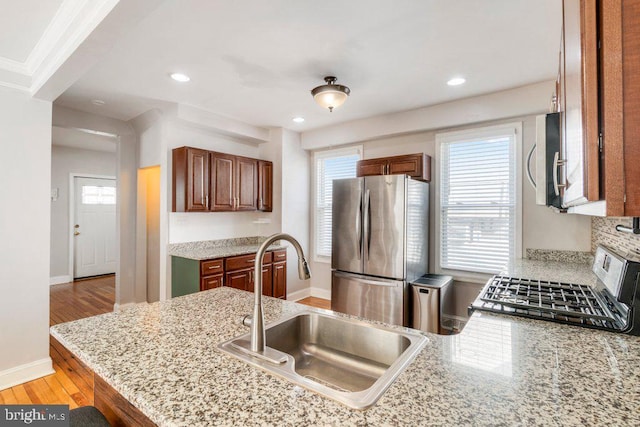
pixel 613 304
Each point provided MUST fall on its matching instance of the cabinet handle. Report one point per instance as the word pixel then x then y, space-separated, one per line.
pixel 206 201
pixel 251 261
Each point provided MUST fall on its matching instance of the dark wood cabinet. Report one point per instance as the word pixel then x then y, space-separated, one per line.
pixel 208 181
pixel 240 279
pixel 417 166
pixel 211 282
pixel 190 180
pixel 265 186
pixel 267 280
pixel 246 184
pixel 280 280
pixel 222 182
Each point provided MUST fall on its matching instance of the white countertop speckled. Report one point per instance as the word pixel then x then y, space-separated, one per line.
pixel 555 271
pixel 500 371
pixel 210 249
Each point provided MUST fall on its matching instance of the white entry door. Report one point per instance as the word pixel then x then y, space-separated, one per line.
pixel 95 227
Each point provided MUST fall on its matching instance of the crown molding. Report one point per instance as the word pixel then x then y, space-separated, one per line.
pixel 71 24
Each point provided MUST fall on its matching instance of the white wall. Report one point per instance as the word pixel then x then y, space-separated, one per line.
pixel 64 161
pixel 25 173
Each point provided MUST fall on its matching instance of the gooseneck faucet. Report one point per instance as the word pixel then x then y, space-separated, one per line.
pixel 257 319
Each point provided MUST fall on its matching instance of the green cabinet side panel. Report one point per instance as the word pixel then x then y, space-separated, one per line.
pixel 185 276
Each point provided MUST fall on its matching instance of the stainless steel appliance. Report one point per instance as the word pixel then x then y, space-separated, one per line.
pixel 548 163
pixel 612 304
pixel 429 298
pixel 379 245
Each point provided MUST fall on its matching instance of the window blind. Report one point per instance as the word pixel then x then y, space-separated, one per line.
pixel 329 166
pixel 478 203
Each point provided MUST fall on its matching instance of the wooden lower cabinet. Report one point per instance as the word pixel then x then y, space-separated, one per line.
pixel 280 280
pixel 211 282
pixel 189 276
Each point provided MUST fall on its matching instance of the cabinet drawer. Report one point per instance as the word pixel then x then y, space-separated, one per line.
pixel 212 266
pixel 245 261
pixel 210 282
pixel 280 255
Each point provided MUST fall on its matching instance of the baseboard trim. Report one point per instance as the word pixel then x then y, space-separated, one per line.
pixel 321 293
pixel 56 280
pixel 27 372
pixel 298 295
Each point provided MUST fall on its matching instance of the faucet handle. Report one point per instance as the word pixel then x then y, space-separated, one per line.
pixel 247 320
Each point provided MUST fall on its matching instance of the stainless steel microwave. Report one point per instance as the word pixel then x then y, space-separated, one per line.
pixel 548 163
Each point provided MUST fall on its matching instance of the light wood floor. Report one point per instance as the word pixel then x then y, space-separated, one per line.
pixel 72 383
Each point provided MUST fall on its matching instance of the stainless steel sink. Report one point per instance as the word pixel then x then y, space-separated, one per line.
pixel 347 360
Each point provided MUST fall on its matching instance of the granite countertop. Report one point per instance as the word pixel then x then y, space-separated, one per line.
pixel 209 249
pixel 555 271
pixel 500 371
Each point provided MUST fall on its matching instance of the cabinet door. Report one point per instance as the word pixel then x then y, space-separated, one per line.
pixel 246 184
pixel 265 186
pixel 280 280
pixel 240 279
pixel 415 165
pixel 267 280
pixel 579 87
pixel 211 282
pixel 371 167
pixel 190 180
pixel 222 182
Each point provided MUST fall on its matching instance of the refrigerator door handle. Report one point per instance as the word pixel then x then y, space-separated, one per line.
pixel 359 278
pixel 359 229
pixel 367 220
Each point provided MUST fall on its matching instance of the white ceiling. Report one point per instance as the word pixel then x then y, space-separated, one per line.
pixel 22 23
pixel 256 60
pixel 78 138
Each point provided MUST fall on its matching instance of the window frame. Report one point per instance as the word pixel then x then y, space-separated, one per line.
pixel 321 155
pixel 468 135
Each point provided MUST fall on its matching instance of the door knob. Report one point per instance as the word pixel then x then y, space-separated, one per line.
pixel 77 233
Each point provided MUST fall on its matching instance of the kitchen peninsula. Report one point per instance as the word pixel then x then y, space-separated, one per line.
pixel 500 370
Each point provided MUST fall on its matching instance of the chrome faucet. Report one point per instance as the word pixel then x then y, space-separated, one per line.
pixel 256 321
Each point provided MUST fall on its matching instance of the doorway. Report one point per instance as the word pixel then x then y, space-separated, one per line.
pixel 94 227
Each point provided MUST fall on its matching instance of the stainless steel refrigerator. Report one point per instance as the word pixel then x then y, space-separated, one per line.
pixel 380 241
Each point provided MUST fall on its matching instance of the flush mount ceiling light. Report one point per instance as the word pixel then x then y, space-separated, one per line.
pixel 298 119
pixel 456 81
pixel 330 95
pixel 98 102
pixel 179 77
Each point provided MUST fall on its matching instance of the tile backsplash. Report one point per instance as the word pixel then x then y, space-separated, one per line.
pixel 603 232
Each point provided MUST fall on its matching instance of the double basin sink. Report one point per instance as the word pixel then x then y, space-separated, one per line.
pixel 350 361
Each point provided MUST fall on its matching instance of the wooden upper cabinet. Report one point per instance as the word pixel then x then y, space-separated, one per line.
pixel 222 182
pixel 417 166
pixel 371 167
pixel 265 186
pixel 246 184
pixel 190 180
pixel 579 102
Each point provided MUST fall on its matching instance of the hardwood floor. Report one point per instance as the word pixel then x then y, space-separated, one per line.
pixel 316 302
pixel 72 383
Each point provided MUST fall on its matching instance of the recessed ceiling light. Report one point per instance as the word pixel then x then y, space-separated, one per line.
pixel 98 102
pixel 298 119
pixel 179 77
pixel 456 81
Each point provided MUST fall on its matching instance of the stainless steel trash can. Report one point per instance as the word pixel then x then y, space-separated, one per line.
pixel 428 296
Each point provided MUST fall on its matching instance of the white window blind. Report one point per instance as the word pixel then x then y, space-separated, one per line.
pixel 478 200
pixel 330 165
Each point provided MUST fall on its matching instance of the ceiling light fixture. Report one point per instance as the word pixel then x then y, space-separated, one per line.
pixel 456 81
pixel 330 95
pixel 98 102
pixel 179 77
pixel 298 119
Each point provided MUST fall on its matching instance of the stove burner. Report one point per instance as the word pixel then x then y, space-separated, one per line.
pixel 560 302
